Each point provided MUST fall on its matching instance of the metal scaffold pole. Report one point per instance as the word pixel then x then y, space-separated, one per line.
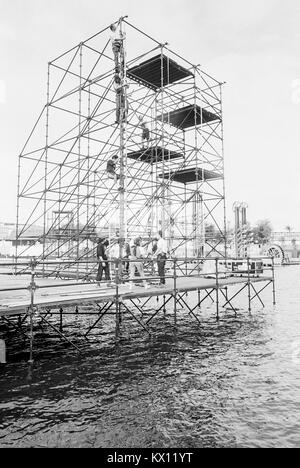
pixel 224 189
pixel 162 179
pixel 122 159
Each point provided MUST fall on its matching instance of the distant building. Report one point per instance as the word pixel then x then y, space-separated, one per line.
pixel 8 238
pixel 7 230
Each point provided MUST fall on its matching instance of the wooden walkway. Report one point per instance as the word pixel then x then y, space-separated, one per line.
pixel 15 296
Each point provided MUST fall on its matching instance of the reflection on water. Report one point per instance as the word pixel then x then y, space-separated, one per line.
pixel 228 384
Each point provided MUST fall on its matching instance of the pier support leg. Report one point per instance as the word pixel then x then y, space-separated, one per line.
pixel 117 301
pixel 61 319
pixel 175 292
pixel 2 352
pixel 32 288
pixel 249 286
pixel 175 307
pixel 117 319
pixel 273 281
pixel 30 361
pixel 120 313
pixel 217 304
pixel 226 293
pixel 217 290
pixel 249 297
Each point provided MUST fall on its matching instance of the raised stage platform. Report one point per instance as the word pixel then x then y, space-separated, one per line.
pixel 154 155
pixel 188 116
pixel 191 174
pixel 149 72
pixel 15 298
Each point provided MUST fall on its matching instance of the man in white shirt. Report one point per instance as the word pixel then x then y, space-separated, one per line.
pixel 135 254
pixel 116 38
pixel 161 254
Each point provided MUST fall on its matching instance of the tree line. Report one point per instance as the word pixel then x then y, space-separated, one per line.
pixel 260 233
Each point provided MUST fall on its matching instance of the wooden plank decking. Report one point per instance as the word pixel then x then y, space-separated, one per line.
pixel 13 302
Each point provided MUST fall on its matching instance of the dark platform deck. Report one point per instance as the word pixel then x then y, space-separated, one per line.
pixel 150 73
pixel 154 155
pixel 192 174
pixel 189 116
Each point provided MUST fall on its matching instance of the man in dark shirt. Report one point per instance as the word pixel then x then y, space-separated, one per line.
pixel 111 168
pixel 102 259
pixel 121 99
pixel 145 133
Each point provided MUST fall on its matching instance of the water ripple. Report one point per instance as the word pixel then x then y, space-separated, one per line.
pixel 229 384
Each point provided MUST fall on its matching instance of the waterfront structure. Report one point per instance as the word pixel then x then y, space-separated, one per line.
pixel 39 300
pixel 127 95
pixel 174 183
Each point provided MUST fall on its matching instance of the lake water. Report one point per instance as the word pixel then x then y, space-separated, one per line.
pixel 229 384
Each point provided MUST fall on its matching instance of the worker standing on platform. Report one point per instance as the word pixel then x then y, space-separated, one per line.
pixel 102 259
pixel 135 254
pixel 145 133
pixel 127 256
pixel 161 254
pixel 111 168
pixel 151 252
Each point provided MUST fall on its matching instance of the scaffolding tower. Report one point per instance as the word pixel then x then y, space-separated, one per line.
pixel 241 229
pixel 100 100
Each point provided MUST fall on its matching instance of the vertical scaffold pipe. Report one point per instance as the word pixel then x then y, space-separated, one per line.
pixel 61 319
pixel 162 90
pixel 32 288
pixel 18 215
pixel 175 289
pixel 2 352
pixel 122 158
pixel 117 303
pixel 217 288
pixel 79 162
pixel 273 281
pixel 249 285
pixel 223 165
pixel 45 154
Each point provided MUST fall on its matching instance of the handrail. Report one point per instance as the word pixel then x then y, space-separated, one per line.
pixel 113 260
pixel 216 273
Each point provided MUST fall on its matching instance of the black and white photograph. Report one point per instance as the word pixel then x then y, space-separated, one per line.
pixel 149 227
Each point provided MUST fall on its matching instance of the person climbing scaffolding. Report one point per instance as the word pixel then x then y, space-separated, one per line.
pixel 111 168
pixel 121 99
pixel 145 132
pixel 116 41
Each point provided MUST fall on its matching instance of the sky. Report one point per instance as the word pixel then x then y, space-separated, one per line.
pixel 252 46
